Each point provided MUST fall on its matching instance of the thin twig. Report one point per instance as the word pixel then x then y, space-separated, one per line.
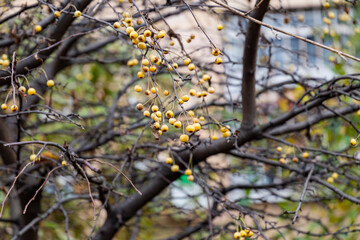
pixel 303 194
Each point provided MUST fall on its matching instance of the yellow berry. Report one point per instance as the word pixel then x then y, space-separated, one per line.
pixel 50 83
pixel 57 14
pixel 63 163
pixel 206 77
pixel 335 175
pixel 211 90
pixel 4 106
pixel 142 45
pixel 166 92
pixel 169 114
pixel 175 65
pixel 172 43
pixel 185 98
pixel 147 92
pixel 154 59
pixel 175 168
pixel 140 74
pixel 215 52
pixel 172 121
pixel 139 106
pixel 237 235
pixel 77 14
pixel 146 113
pixel 129 30
pixel 184 138
pixel 202 118
pixel 147 33
pixel 326 5
pixel 164 128
pixel 126 14
pixel 187 61
pixel 218 60
pixel 330 180
pixel 154 108
pixel 31 91
pixel 14 108
pixel 219 27
pixel 282 160
pixel 188 172
pixel 22 89
pixel 133 35
pixel 326 20
pixel 197 126
pixel 138 88
pixel 116 25
pixel 191 67
pixel 158 114
pixel 157 125
pixel 213 137
pixel 32 157
pixel 177 124
pixel 169 160
pixel 279 149
pixel 38 28
pixel 153 90
pixel 226 134
pixel 145 62
pixel 190 129
pixel 192 92
pixel 353 141
pixel 305 155
pixel 295 159
pixel 162 34
pixel 127 20
pixel 250 234
pixel 190 178
pixel 204 93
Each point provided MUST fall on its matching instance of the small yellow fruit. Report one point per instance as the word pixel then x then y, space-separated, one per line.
pixel 305 155
pixel 116 25
pixel 175 65
pixel 204 93
pixel 301 18
pixel 157 125
pixel 50 83
pixel 330 180
pixel 154 59
pixel 192 92
pixel 331 15
pixel 145 62
pixel 146 113
pixel 172 121
pixel 201 118
pixel 32 157
pixel 213 137
pixel 250 234
pixel 219 27
pixel 140 74
pixel 169 160
pixel 127 20
pixel 190 129
pixel 187 61
pixel 166 92
pixel 129 30
pixel 184 138
pixel 175 168
pixel 162 34
pixel 169 114
pixel 282 160
pixel 242 233
pixel 4 106
pixel 295 159
pixel 153 90
pixel 172 43
pixel 154 108
pixel 211 90
pixel 177 124
pixel 353 141
pixel 326 20
pixel 335 175
pixel 57 14
pixel 31 91
pixel 326 5
pixel 77 14
pixel 215 52
pixel 147 92
pixel 133 35
pixel 135 41
pixel 164 128
pixel 145 69
pixel 126 14
pixel 14 108
pixel 191 67
pixel 142 45
pixel 63 163
pixel 188 172
pixel 197 126
pixel 185 98
pixel 206 77
pixel 38 28
pixel 147 33
pixel 138 88
pixel 139 106
pixel 158 114
pixel 191 113
pixel 218 60
pixel 279 149
pixel 190 178
pixel 226 134
pixel 237 235
pixel 181 101
pixel 22 89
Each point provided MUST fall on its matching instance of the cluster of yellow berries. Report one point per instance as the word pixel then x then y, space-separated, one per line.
pixel 295 159
pixel 332 178
pixel 4 61
pixel 176 168
pixel 243 234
